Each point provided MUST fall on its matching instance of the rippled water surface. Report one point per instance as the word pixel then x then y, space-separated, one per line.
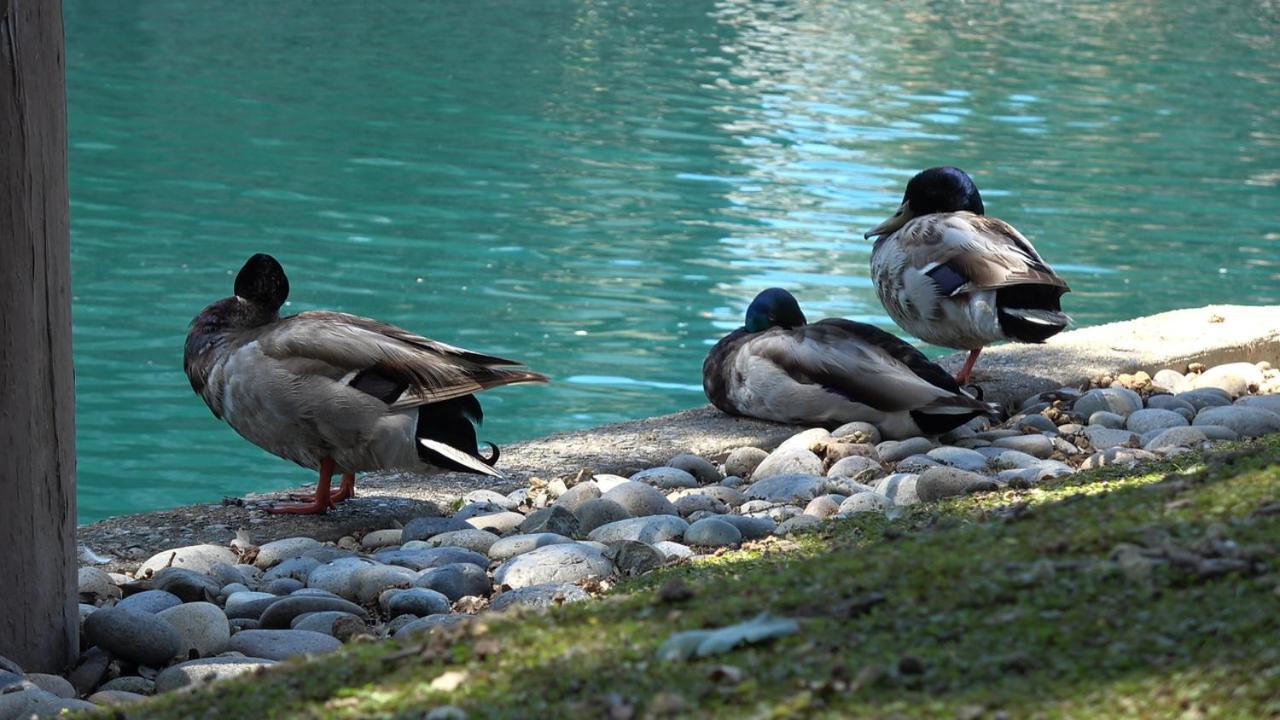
pixel 599 188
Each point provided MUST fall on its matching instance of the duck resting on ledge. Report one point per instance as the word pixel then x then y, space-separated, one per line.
pixel 952 276
pixel 335 392
pixel 779 367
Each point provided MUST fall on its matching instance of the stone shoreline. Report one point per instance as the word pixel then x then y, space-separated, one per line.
pixel 618 501
pixel 1210 335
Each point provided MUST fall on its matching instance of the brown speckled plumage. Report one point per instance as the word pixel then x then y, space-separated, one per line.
pixel 328 385
pixel 832 372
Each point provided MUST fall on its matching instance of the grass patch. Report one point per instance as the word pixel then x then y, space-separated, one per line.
pixel 1108 594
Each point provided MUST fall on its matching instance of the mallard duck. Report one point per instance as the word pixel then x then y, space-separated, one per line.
pixel 779 367
pixel 952 276
pixel 335 392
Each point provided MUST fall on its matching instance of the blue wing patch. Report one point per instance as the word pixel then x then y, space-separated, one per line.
pixel 947 278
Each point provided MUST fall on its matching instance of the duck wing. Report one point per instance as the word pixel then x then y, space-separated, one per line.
pixel 962 252
pixel 399 367
pixel 863 363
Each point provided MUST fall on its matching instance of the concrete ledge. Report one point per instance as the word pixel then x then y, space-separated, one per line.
pixel 1211 335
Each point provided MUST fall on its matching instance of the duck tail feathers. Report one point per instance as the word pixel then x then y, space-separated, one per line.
pixel 1040 317
pixel 949 413
pixel 452 458
pixel 964 404
pixel 516 377
pixel 1031 312
pixel 975 401
pixel 493 457
pixel 1032 325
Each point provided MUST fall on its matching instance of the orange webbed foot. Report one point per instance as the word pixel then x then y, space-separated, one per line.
pixel 323 499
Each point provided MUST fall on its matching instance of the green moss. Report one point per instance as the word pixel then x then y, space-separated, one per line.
pixel 1108 594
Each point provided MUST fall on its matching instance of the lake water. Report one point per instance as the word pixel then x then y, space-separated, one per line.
pixel 599 188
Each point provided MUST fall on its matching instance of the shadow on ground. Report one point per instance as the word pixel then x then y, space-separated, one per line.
pixel 1110 594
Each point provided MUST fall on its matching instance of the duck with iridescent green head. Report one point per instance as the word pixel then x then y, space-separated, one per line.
pixel 339 393
pixel 780 367
pixel 952 276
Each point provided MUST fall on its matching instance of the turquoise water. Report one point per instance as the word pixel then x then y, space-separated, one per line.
pixel 599 188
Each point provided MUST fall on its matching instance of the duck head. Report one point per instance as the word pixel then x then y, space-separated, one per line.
pixel 774 307
pixel 936 190
pixel 261 289
pixel 262 283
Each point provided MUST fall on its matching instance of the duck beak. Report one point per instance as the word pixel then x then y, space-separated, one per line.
pixel 899 219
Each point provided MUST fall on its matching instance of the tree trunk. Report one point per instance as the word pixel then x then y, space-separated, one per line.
pixel 38 615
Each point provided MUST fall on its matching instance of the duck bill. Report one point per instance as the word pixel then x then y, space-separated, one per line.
pixel 899 219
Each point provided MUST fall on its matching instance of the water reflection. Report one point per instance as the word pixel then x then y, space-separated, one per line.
pixel 600 188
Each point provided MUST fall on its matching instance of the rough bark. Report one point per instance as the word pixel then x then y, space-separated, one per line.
pixel 38 616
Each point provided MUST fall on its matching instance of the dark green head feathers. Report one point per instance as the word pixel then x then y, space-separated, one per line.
pixel 774 307
pixel 262 282
pixel 942 190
